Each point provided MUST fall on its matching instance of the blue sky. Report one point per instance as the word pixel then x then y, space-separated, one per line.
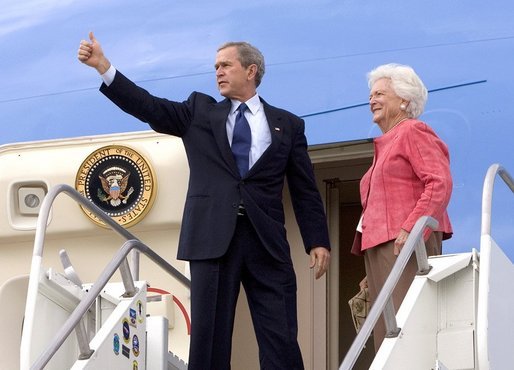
pixel 317 56
pixel 172 43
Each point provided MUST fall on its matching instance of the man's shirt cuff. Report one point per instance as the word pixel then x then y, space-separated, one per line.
pixel 108 76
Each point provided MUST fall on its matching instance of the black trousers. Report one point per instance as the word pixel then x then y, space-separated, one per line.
pixel 270 287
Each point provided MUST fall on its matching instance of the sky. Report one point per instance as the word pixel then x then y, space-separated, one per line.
pixel 317 56
pixel 172 44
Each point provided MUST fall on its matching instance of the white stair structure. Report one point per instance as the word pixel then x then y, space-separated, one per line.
pixel 457 313
pixel 444 317
pixel 110 321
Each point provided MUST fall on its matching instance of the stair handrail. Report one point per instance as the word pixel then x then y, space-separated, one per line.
pixel 485 310
pixel 383 303
pixel 90 297
pixel 44 215
pixel 119 261
pixel 487 194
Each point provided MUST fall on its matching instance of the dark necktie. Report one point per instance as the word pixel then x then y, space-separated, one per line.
pixel 241 141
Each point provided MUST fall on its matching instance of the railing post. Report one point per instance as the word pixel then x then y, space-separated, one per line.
pixel 126 277
pixel 85 351
pixel 421 257
pixel 134 266
pixel 389 314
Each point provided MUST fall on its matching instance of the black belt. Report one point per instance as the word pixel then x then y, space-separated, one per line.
pixel 241 210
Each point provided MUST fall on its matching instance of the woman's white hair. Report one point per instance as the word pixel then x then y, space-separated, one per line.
pixel 405 83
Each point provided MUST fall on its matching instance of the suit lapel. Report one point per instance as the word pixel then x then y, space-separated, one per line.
pixel 219 128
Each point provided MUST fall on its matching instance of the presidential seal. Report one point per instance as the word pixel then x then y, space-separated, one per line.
pixel 119 181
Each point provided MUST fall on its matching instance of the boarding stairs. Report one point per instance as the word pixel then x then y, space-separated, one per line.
pixel 105 325
pixel 457 313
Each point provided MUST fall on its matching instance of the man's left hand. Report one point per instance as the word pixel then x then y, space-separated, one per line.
pixel 320 258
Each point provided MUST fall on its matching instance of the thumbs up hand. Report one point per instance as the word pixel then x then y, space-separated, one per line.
pixel 91 54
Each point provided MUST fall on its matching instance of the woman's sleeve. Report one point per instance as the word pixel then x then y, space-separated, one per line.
pixel 430 161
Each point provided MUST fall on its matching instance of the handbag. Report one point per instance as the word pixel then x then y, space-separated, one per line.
pixel 359 308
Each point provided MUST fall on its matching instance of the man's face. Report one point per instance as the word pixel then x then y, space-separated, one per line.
pixel 234 81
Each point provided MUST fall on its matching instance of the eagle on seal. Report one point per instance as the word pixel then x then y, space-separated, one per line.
pixel 114 185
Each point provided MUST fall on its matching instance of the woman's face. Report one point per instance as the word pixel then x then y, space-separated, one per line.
pixel 385 104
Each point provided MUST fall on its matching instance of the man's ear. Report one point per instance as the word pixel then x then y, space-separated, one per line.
pixel 252 71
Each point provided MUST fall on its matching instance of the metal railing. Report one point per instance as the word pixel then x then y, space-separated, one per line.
pixel 488 318
pixel 384 301
pixel 119 261
pixel 487 194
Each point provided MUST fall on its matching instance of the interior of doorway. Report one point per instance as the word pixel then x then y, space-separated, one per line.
pixel 341 166
pixel 351 271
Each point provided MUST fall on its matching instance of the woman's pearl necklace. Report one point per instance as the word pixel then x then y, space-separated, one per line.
pixel 397 123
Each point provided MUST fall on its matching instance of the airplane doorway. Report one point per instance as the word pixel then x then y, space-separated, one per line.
pixel 340 166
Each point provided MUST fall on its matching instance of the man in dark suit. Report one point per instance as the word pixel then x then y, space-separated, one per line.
pixel 233 224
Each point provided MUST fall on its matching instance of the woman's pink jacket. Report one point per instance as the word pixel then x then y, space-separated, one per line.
pixel 409 178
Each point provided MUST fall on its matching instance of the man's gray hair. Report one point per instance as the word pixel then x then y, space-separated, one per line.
pixel 248 55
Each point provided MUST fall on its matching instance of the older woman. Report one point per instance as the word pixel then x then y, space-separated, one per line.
pixel 409 178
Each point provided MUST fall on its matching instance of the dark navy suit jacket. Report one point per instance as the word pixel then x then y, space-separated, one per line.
pixel 215 187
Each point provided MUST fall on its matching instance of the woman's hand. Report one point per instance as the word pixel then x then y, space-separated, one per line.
pixel 400 241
